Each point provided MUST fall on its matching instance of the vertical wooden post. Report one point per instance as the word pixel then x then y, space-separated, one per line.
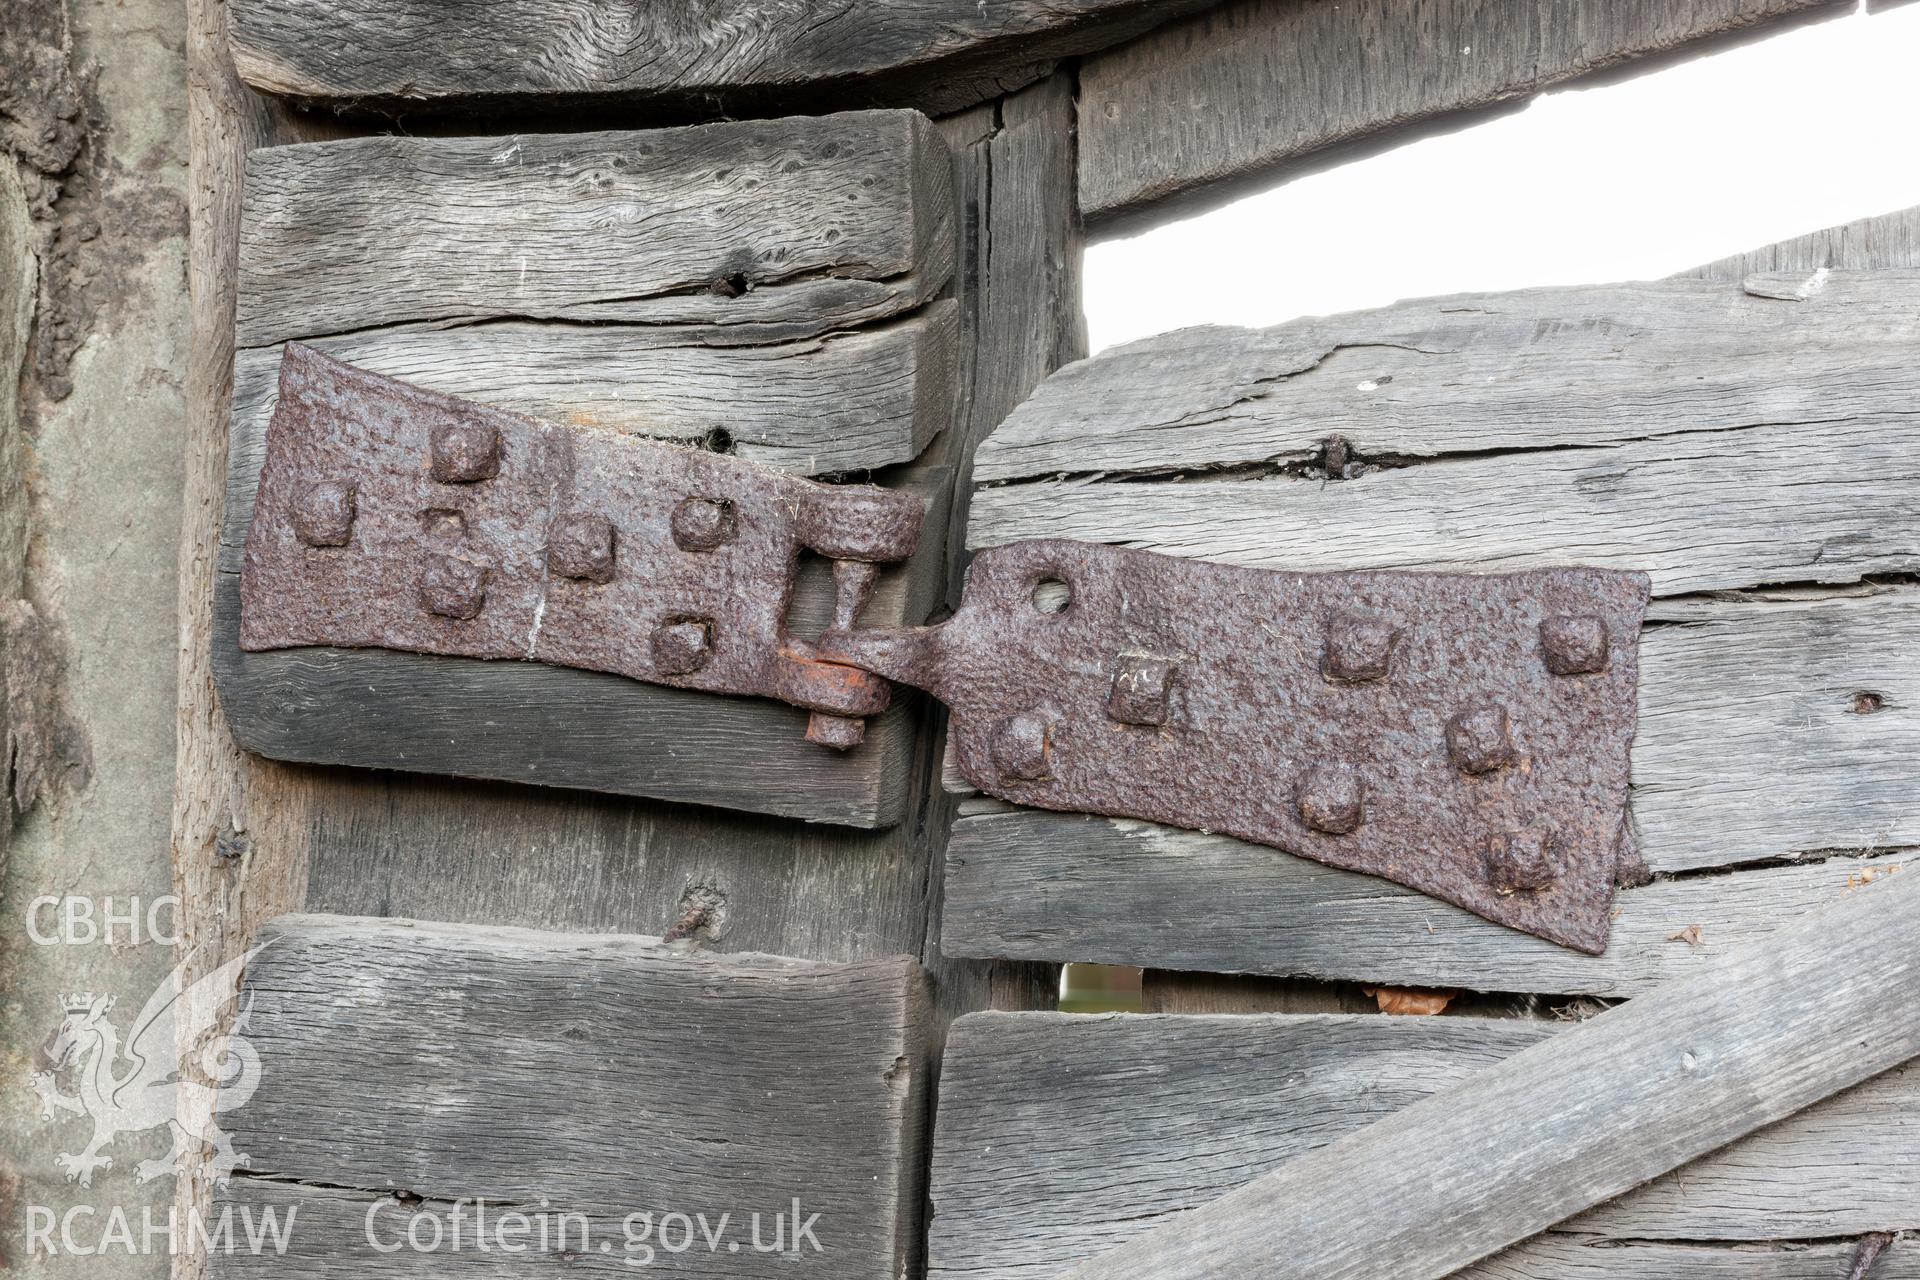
pixel 253 839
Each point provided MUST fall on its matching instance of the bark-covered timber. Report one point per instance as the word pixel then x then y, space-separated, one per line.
pixel 713 57
pixel 1247 91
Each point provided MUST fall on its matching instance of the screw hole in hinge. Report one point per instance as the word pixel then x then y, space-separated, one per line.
pixel 1051 595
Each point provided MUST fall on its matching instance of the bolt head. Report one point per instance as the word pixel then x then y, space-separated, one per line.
pixel 1331 798
pixel 1480 739
pixel 465 452
pixel 1359 649
pixel 1142 688
pixel 1574 644
pixel 454 587
pixel 1022 747
pixel 701 524
pixel 681 646
pixel 842 733
pixel 580 545
pixel 1522 861
pixel 323 513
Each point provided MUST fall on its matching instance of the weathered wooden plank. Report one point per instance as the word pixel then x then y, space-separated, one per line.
pixel 843 401
pixel 1561 1257
pixel 1044 886
pixel 752 1079
pixel 714 57
pixel 818 352
pixel 1062 1136
pixel 240 823
pixel 1600 368
pixel 1578 1119
pixel 795 225
pixel 1815 504
pixel 443 849
pixel 1188 114
pixel 1545 428
pixel 1883 241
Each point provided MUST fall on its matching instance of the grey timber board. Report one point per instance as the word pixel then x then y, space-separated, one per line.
pixel 1060 1136
pixel 539 1071
pixel 712 57
pixel 1777 724
pixel 771 286
pixel 1251 91
pixel 1578 1119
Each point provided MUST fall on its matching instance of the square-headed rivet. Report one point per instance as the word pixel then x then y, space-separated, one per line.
pixel 453 587
pixel 1522 861
pixel 681 646
pixel 1331 798
pixel 1480 739
pixel 1142 688
pixel 580 545
pixel 701 524
pixel 323 514
pixel 1359 648
pixel 464 452
pixel 1574 644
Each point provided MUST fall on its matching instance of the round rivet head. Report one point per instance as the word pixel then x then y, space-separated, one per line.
pixel 681 646
pixel 1522 861
pixel 1022 747
pixel 1331 798
pixel 464 452
pixel 580 545
pixel 1359 649
pixel 701 524
pixel 323 514
pixel 453 587
pixel 1574 644
pixel 1480 739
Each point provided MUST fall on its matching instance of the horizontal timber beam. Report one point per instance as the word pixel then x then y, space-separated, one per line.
pixel 709 57
pixel 1197 111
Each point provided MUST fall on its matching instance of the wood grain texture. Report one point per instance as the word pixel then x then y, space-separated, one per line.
pixel 1601 368
pixel 1578 1119
pixel 1191 113
pixel 1620 425
pixel 794 223
pixel 712 57
pixel 574 277
pixel 847 400
pixel 240 824
pixel 1046 886
pixel 636 1077
pixel 1883 241
pixel 488 853
pixel 1062 1136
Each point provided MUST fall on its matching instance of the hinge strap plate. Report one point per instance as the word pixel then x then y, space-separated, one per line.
pixel 1464 735
pixel 394 517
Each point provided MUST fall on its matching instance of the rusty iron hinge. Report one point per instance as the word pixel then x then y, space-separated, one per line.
pixel 394 517
pixel 1464 735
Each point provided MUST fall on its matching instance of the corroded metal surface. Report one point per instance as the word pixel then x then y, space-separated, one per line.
pixel 394 517
pixel 1463 735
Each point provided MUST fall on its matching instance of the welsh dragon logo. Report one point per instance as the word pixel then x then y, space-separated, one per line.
pixel 135 1085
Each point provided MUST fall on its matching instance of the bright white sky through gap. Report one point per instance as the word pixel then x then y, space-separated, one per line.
pixel 1627 181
